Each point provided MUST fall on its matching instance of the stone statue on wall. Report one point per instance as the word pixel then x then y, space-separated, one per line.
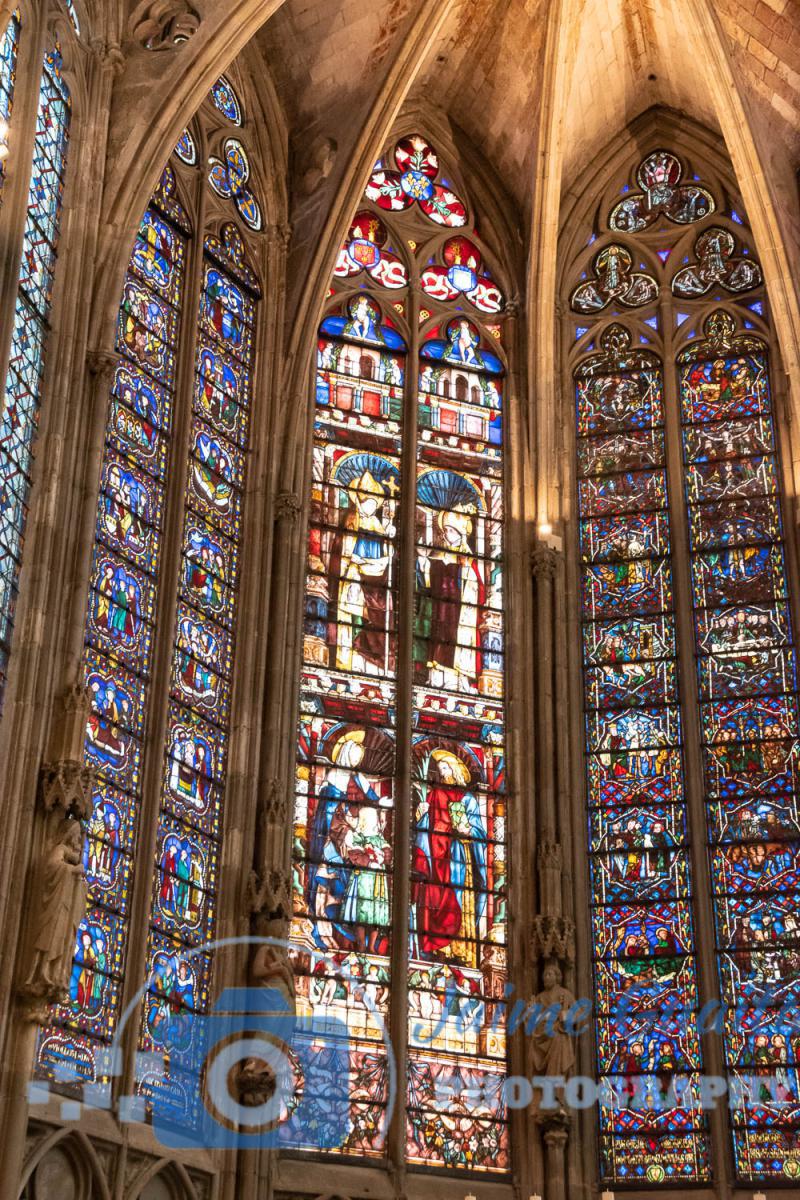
pixel 553 1047
pixel 58 906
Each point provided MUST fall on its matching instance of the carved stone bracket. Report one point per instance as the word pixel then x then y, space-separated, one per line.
pixel 163 24
pixel 288 508
pixel 553 937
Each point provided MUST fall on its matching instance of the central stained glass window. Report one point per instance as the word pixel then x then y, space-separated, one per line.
pixel 400 812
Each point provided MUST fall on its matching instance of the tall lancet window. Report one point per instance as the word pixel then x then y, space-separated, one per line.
pixel 160 641
pixel 690 683
pixel 401 794
pixel 26 362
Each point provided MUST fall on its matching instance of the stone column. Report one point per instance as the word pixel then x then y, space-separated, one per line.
pixel 552 932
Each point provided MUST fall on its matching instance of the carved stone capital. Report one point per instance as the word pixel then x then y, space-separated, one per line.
pixel 279 236
pixel 288 508
pixel 163 24
pixel 513 306
pixel 545 562
pixel 110 55
pixel 102 364
pixel 553 938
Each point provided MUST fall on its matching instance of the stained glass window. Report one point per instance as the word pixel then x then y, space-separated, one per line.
pixel 642 926
pixel 223 97
pixel 119 632
pixel 429 673
pixel 457 950
pixel 8 79
pixel 185 149
pixel 73 16
pixel 708 424
pixel 228 179
pixel 747 680
pixel 193 786
pixel 23 385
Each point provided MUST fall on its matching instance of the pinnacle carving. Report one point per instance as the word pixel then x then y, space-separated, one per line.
pixel 65 780
pixel 553 937
pixel 163 24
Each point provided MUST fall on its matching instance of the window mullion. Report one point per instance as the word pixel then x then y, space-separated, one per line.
pixel 705 940
pixel 401 857
pixel 164 623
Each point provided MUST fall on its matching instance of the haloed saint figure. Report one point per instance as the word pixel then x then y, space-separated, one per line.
pixel 449 866
pixel 364 600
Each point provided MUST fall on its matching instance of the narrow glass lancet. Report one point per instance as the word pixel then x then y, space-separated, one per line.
pixel 119 633
pixel 651 1127
pixel 457 952
pixel 747 679
pixel 8 78
pixel 346 767
pixel 23 386
pixel 189 834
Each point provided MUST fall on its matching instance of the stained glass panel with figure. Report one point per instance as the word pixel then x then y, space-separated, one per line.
pixel 346 763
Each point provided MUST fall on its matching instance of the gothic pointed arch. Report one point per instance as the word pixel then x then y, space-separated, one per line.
pixel 402 795
pixel 687 581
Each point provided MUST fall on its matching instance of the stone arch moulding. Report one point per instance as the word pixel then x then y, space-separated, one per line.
pixel 172 1174
pixel 377 130
pixel 142 133
pixel 89 1171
